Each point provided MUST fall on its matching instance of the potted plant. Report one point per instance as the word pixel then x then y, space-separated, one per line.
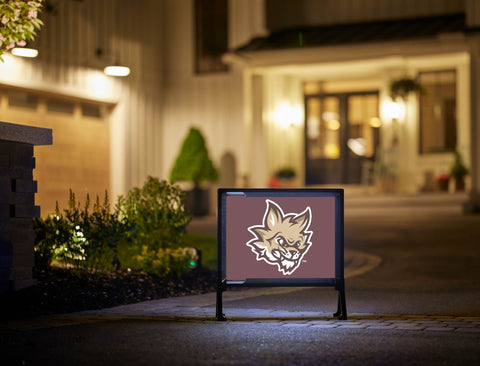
pixel 404 86
pixel 459 171
pixel 194 165
pixel 283 178
pixel 442 181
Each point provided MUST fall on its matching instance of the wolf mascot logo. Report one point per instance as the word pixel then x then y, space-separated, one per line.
pixel 282 240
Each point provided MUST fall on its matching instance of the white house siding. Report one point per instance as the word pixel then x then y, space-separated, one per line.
pixel 293 13
pixel 472 9
pixel 211 102
pixel 246 21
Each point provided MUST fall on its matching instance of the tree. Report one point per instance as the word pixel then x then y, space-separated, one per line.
pixel 18 23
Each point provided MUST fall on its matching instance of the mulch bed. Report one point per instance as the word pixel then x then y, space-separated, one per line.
pixel 60 291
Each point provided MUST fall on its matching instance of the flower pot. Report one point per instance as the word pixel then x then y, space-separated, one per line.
pixel 197 201
pixel 442 185
pixel 459 184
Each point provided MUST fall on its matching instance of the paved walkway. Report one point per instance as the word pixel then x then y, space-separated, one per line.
pixel 202 307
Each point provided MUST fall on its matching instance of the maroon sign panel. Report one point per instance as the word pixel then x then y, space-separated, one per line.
pixel 279 237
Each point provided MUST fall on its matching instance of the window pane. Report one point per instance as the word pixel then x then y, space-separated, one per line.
pixel 323 128
pixel 60 106
pixel 92 110
pixel 362 114
pixel 438 126
pixel 22 99
pixel 211 35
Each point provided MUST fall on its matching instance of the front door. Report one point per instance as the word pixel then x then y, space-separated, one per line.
pixel 341 134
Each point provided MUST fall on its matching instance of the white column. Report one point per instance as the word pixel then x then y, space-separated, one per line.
pixel 257 155
pixel 474 202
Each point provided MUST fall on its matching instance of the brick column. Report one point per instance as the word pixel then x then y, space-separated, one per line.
pixel 17 203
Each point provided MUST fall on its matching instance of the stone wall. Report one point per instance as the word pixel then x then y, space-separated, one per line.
pixel 17 203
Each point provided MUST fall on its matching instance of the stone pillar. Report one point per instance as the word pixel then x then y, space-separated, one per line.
pixel 17 203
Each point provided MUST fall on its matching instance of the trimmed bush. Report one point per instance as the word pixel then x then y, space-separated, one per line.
pixel 193 163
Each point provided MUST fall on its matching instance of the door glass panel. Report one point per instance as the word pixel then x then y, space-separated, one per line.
pixel 323 128
pixel 363 125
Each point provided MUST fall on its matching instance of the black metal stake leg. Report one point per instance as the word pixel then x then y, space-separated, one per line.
pixel 341 313
pixel 221 286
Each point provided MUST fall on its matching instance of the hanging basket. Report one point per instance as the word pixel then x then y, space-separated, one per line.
pixel 404 86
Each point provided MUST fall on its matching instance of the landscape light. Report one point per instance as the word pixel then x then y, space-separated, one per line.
pixel 195 258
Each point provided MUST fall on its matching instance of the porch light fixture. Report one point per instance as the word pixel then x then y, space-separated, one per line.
pixel 116 70
pixel 393 110
pixel 24 52
pixel 287 116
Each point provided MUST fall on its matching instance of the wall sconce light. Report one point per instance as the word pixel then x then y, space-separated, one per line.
pixel 286 115
pixel 116 70
pixel 24 52
pixel 393 110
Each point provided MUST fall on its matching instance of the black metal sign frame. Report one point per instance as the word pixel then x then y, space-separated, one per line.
pixel 338 281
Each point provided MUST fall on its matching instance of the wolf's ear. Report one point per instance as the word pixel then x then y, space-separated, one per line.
pixel 273 215
pixel 303 219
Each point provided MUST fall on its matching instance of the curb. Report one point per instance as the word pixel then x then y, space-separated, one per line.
pixel 455 324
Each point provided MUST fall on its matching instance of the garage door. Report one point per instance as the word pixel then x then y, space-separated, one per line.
pixel 79 158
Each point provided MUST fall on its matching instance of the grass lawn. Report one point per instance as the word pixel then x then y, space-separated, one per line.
pixel 208 245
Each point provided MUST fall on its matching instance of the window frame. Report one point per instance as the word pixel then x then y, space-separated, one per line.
pixel 445 149
pixel 206 62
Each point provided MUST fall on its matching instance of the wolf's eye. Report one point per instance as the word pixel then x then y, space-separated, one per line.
pixel 298 244
pixel 280 240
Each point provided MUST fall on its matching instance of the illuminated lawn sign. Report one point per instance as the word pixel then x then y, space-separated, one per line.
pixel 280 237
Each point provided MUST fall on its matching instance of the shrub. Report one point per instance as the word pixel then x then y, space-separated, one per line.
pixel 152 218
pixel 50 234
pixel 86 241
pixel 158 214
pixel 166 261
